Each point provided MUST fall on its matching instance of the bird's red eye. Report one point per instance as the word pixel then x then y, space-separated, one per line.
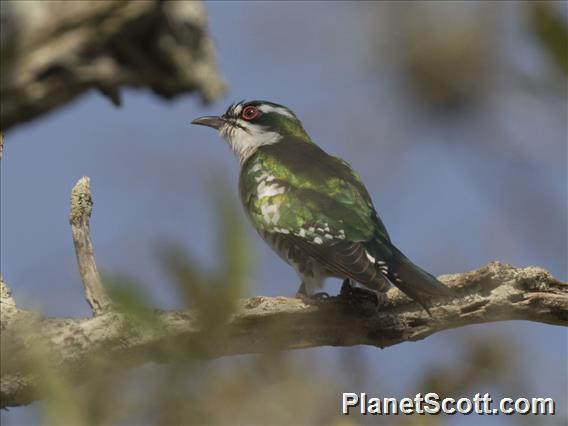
pixel 250 112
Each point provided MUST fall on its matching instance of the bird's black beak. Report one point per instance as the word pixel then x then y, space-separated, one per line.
pixel 210 121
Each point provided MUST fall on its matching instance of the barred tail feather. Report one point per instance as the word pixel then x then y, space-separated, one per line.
pixel 414 281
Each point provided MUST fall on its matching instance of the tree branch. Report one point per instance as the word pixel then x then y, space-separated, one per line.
pixel 54 51
pixel 495 292
pixel 119 338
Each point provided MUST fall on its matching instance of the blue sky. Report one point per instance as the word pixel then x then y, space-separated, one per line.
pixel 455 190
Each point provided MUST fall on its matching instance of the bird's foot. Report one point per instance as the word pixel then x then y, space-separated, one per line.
pixel 311 299
pixel 359 299
pixel 348 290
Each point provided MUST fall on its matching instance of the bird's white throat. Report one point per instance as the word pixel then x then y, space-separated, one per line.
pixel 245 140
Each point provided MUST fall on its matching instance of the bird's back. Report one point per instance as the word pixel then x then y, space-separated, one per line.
pixel 296 186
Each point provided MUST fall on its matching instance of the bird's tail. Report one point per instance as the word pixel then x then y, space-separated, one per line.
pixel 413 280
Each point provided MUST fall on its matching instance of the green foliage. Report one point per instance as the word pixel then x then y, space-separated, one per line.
pixel 213 295
pixel 129 299
pixel 552 30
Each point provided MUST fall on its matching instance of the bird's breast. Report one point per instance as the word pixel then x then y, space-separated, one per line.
pixel 262 195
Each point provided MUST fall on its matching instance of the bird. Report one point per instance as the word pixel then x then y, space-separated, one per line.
pixel 312 208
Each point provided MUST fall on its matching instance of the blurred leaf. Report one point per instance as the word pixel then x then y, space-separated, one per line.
pixel 551 29
pixel 234 248
pixel 129 299
pixel 189 279
pixel 61 404
pixel 488 359
pixel 213 295
pixel 445 64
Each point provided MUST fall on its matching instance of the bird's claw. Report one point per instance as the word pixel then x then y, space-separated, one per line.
pixel 321 296
pixel 355 298
pixel 314 299
pixel 359 299
pixel 348 290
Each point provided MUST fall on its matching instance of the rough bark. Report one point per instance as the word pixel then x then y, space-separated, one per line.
pixel 53 51
pixel 495 292
pixel 81 208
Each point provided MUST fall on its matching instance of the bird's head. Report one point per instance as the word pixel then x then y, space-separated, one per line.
pixel 246 126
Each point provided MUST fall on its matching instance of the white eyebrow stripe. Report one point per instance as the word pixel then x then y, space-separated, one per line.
pixel 269 108
pixel 237 109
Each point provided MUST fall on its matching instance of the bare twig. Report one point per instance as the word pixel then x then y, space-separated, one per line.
pixel 495 292
pixel 81 207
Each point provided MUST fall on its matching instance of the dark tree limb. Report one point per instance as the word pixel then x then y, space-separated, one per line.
pixel 53 51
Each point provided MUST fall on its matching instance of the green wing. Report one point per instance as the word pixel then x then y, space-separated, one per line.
pixel 307 193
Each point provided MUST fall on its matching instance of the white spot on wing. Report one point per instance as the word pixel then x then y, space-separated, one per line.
pixel 270 212
pixel 281 230
pixel 263 190
pixel 262 176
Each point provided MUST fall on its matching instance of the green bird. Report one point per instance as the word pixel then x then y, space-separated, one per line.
pixel 312 208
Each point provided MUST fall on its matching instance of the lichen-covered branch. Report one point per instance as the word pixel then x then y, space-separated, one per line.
pixel 53 51
pixel 81 207
pixel 495 292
